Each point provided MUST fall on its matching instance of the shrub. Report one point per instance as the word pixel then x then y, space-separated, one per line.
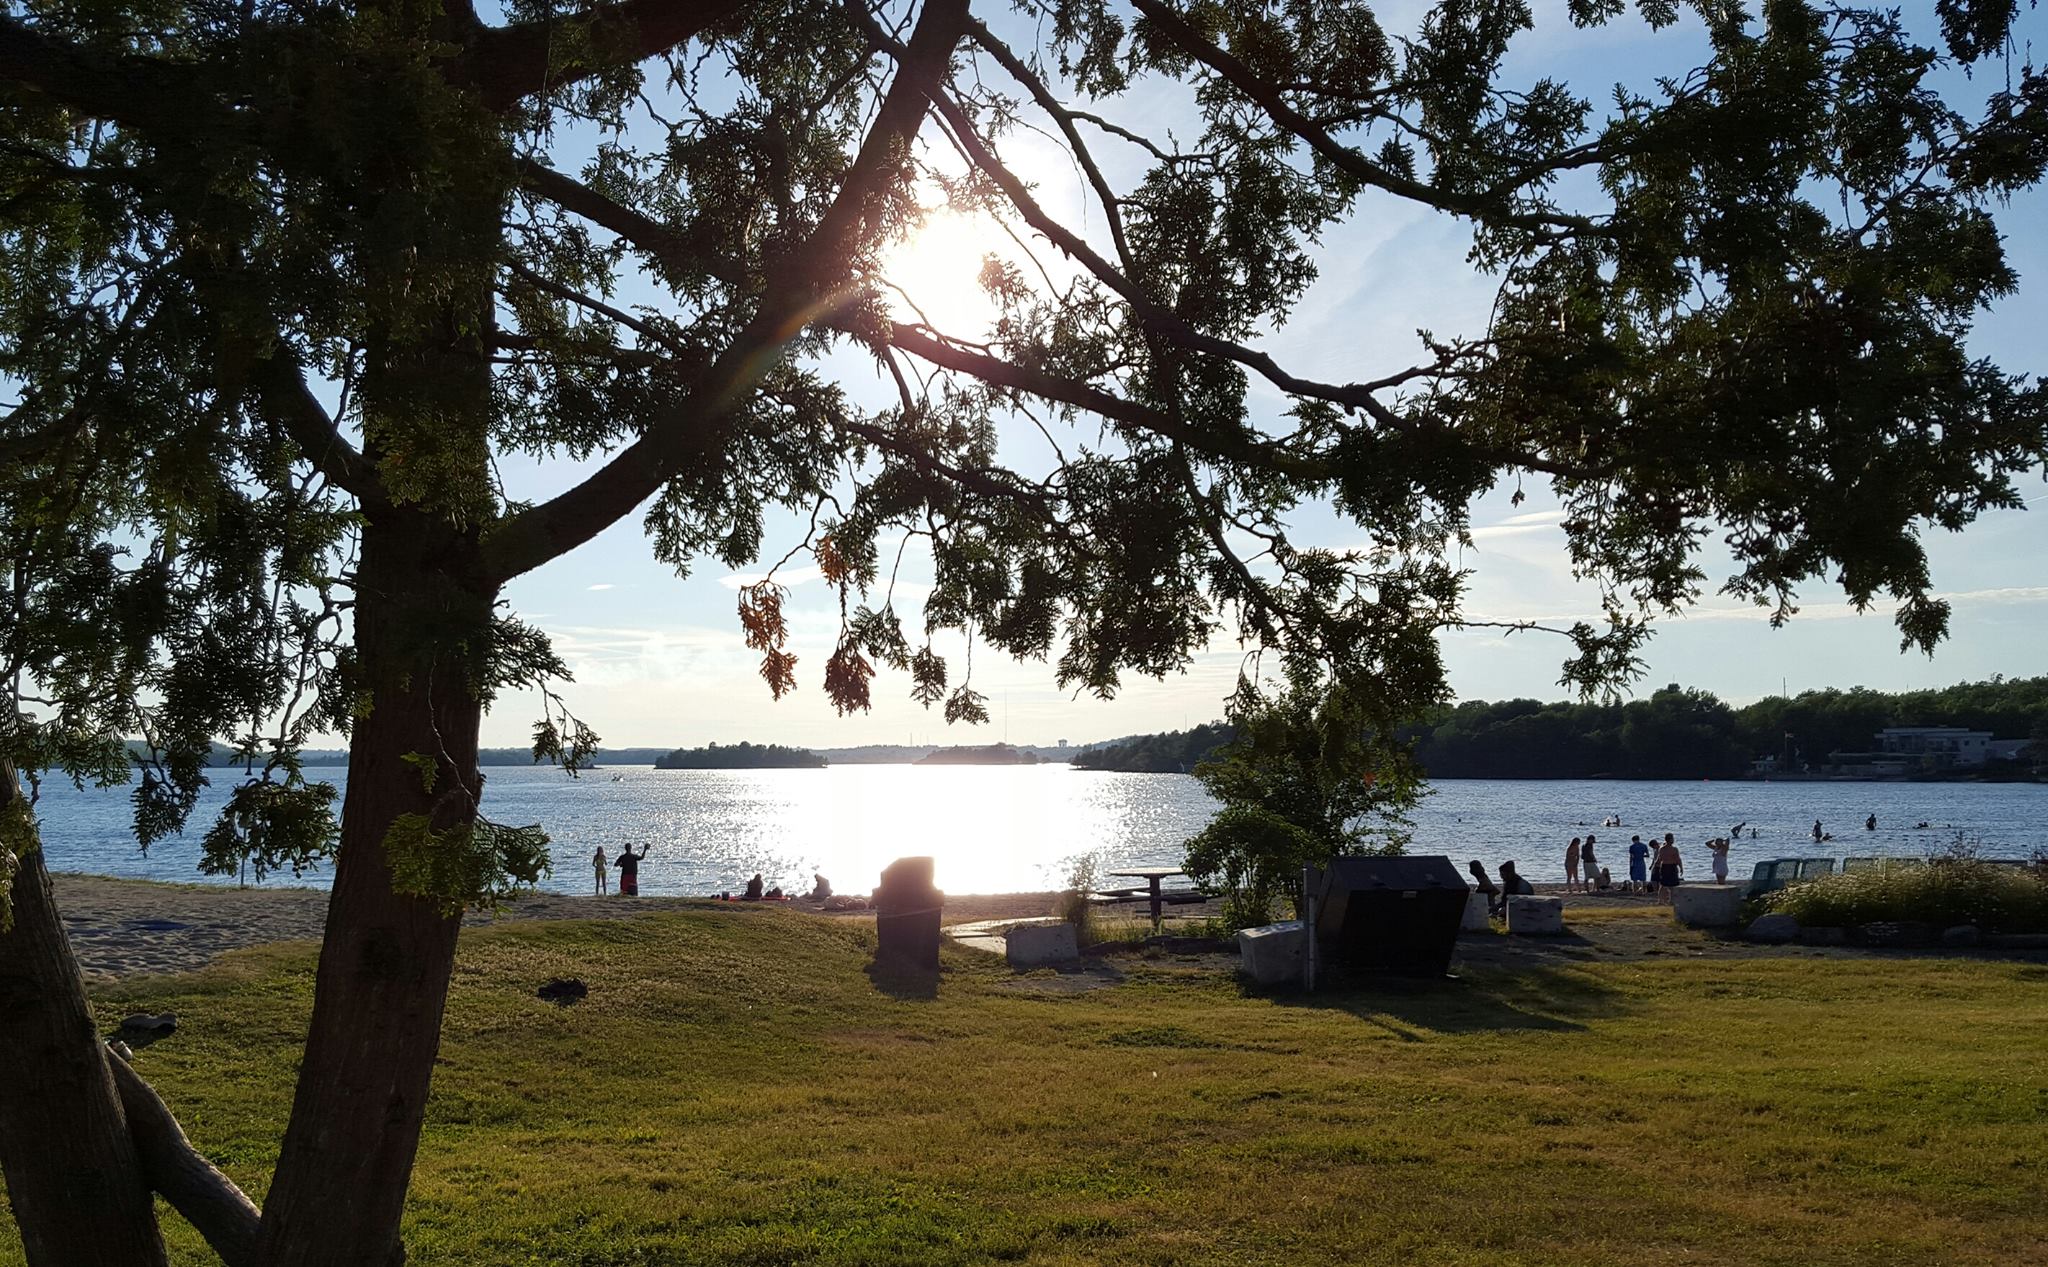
pixel 1083 873
pixel 1997 898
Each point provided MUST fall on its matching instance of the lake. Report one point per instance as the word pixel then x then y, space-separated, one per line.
pixel 1000 829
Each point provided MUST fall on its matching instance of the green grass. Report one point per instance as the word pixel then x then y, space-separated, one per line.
pixel 737 1089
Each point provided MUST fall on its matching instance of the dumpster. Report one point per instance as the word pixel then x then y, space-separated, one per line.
pixel 1390 916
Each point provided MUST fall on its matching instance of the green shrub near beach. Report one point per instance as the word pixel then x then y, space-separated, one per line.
pixel 1994 898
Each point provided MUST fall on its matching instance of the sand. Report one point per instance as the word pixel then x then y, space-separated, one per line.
pixel 122 927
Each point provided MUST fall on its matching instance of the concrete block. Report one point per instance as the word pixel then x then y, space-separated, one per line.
pixel 1708 905
pixel 1035 945
pixel 1271 953
pixel 1536 916
pixel 1478 918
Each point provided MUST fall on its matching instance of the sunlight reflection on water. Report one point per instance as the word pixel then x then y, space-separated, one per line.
pixel 995 829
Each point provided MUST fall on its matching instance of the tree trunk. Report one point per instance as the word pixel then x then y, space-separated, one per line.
pixel 73 1178
pixel 422 619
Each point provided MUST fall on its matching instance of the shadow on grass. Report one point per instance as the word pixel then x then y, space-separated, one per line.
pixel 1476 1001
pixel 899 980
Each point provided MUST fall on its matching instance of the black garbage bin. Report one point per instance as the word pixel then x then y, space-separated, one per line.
pixel 1390 916
pixel 907 910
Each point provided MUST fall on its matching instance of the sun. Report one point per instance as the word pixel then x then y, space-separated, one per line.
pixel 933 275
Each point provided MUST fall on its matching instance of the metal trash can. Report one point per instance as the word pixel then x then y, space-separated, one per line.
pixel 1390 916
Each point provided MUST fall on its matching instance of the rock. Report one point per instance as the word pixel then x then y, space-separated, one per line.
pixel 562 991
pixel 1708 905
pixel 1478 917
pixel 1824 936
pixel 1536 916
pixel 1961 935
pixel 1036 945
pixel 146 1025
pixel 1271 953
pixel 1774 929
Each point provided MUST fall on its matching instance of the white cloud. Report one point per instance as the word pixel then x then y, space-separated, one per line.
pixel 786 576
pixel 601 585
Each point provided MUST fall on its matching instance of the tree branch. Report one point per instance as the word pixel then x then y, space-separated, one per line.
pixel 196 1189
pixel 506 63
pixel 805 287
pixel 283 397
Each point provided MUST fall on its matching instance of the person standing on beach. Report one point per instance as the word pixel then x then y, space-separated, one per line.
pixel 1589 866
pixel 1638 865
pixel 1719 848
pixel 597 864
pixel 628 863
pixel 1669 869
pixel 1571 866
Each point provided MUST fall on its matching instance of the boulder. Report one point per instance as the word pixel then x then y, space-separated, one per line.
pixel 1478 916
pixel 1775 929
pixel 1708 905
pixel 1036 945
pixel 1824 936
pixel 1271 953
pixel 1961 935
pixel 1536 916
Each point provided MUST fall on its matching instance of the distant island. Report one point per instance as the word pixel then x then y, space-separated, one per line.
pixel 741 756
pixel 1174 752
pixel 991 754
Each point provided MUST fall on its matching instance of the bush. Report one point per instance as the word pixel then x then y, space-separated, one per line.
pixel 1084 872
pixel 1996 898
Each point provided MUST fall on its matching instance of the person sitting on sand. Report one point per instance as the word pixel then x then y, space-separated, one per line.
pixel 1606 881
pixel 628 864
pixel 597 863
pixel 1512 884
pixel 754 889
pixel 1669 868
pixel 821 888
pixel 1486 886
pixel 1571 866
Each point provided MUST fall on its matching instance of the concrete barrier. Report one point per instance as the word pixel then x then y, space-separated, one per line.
pixel 1271 953
pixel 1035 945
pixel 1478 917
pixel 1708 905
pixel 1536 916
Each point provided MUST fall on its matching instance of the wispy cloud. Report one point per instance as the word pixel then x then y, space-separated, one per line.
pixel 787 576
pixel 601 585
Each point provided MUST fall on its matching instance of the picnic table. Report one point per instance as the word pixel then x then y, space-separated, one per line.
pixel 1152 894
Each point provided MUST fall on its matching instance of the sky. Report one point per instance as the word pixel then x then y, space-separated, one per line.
pixel 658 660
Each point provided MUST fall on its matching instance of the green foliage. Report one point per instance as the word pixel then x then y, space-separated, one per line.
pixel 478 863
pixel 1314 770
pixel 272 826
pixel 1943 893
pixel 1084 876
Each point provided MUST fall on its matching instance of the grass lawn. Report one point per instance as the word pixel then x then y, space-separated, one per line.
pixel 737 1089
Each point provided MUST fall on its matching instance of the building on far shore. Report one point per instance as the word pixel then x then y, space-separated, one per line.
pixel 1907 749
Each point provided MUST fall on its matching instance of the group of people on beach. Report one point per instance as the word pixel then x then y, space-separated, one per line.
pixel 628 864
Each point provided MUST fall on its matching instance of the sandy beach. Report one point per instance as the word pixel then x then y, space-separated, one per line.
pixel 122 927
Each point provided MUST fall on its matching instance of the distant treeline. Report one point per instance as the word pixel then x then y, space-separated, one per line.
pixel 741 756
pixel 1676 733
pixel 1176 750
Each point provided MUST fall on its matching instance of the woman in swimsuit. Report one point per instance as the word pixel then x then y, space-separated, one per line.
pixel 597 864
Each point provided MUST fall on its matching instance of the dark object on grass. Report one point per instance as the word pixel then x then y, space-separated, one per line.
pixel 562 991
pixel 1896 933
pixel 1391 916
pixel 907 910
pixel 144 1028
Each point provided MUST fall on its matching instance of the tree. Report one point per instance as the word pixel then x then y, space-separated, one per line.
pixel 282 282
pixel 1311 772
